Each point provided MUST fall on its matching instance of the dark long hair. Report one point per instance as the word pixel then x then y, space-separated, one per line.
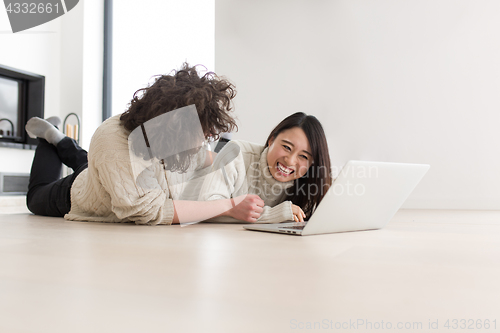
pixel 318 177
pixel 210 94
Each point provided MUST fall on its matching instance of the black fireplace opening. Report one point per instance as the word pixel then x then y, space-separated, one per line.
pixel 22 97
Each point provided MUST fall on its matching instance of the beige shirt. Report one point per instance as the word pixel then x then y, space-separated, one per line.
pixel 119 187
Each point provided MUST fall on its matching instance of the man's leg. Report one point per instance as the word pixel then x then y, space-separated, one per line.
pixel 71 154
pixel 47 192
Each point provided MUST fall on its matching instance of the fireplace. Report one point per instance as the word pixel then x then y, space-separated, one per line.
pixel 21 97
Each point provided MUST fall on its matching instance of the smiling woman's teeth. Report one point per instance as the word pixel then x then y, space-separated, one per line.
pixel 283 169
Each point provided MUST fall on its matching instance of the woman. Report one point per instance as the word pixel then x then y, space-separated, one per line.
pixel 105 186
pixel 290 173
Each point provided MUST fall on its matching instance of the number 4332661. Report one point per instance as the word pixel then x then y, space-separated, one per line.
pixel 32 8
pixel 470 324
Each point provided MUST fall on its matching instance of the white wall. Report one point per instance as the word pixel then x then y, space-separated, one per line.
pixel 155 38
pixel 400 81
pixel 36 50
pixel 92 65
pixel 71 63
pixel 68 52
pixel 81 63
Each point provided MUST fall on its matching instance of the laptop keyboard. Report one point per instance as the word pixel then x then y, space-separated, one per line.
pixel 299 227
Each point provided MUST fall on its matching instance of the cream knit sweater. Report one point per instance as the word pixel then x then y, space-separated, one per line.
pixel 249 173
pixel 119 187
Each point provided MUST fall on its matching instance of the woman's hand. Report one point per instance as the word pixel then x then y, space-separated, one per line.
pixel 247 208
pixel 298 213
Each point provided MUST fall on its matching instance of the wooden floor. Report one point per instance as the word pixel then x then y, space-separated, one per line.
pixel 419 274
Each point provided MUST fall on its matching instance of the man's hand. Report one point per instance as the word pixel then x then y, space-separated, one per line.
pixel 298 213
pixel 247 208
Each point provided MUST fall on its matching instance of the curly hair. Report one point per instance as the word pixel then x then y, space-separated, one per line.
pixel 210 94
pixel 318 175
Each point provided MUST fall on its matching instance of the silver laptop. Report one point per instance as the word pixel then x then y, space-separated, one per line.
pixel 365 196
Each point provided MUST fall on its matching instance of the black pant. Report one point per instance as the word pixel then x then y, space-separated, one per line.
pixel 48 193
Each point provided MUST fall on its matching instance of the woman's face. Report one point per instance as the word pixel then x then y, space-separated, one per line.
pixel 289 156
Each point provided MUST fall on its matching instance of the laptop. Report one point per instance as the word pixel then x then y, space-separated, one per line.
pixel 364 196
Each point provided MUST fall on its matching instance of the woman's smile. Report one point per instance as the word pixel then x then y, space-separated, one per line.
pixel 283 169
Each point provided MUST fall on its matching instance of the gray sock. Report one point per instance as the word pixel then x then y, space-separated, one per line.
pixel 40 128
pixel 56 121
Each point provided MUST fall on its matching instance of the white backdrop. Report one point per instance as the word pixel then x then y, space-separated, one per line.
pixel 153 37
pixel 398 81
